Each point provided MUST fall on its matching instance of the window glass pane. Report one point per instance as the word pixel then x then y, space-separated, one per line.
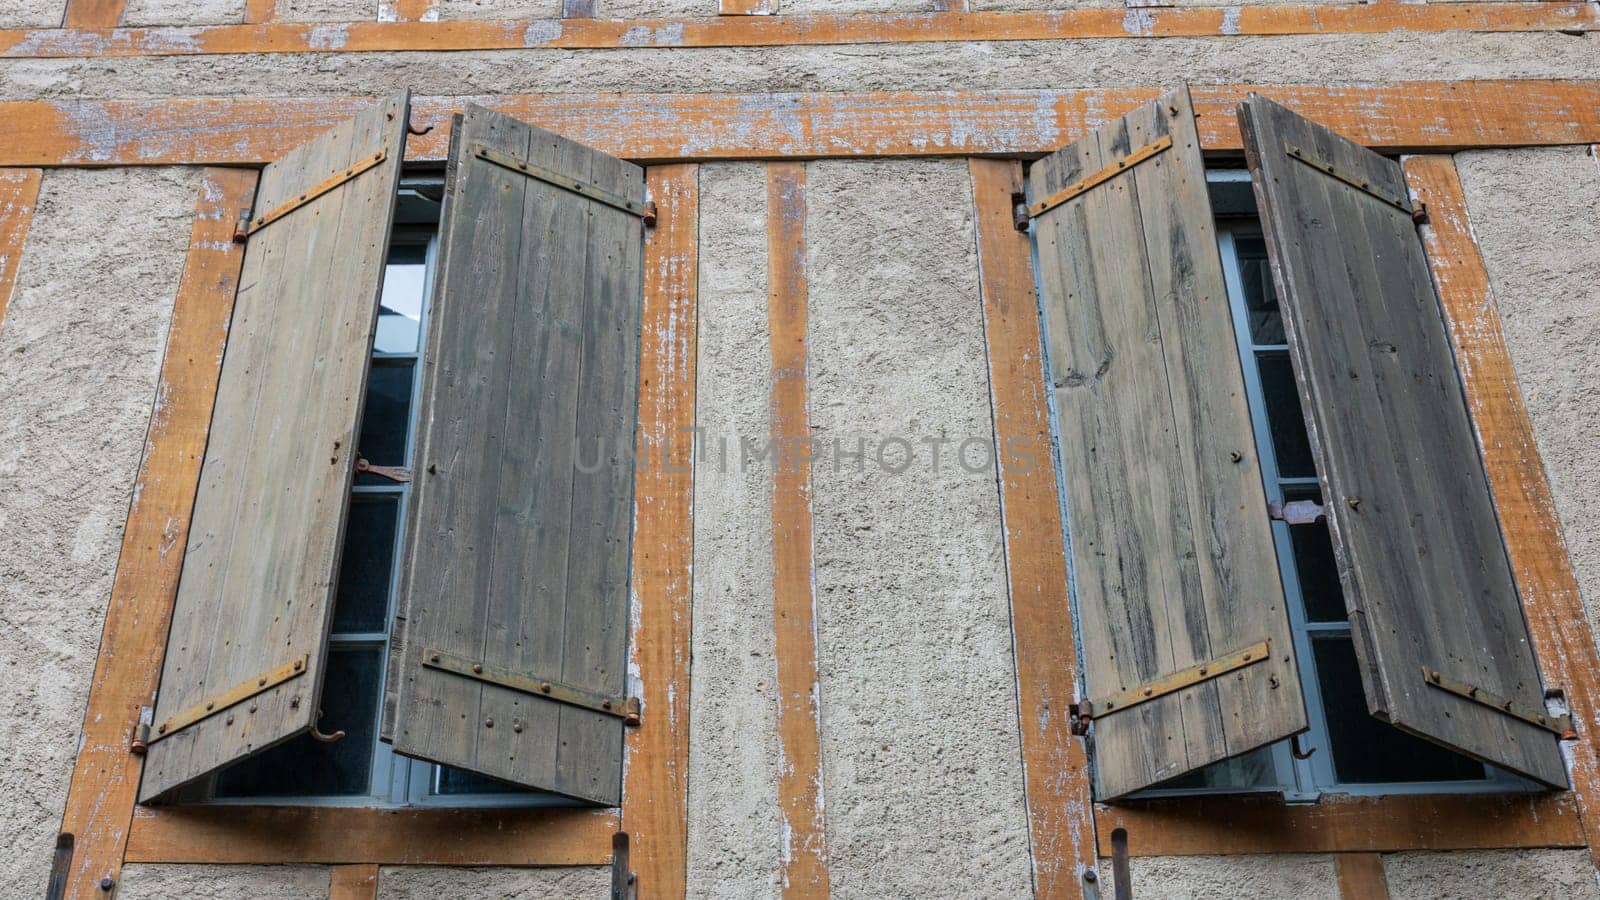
pixel 1289 442
pixel 367 564
pixel 1247 771
pixel 387 416
pixel 306 767
pixel 1320 590
pixel 448 780
pixel 1260 299
pixel 400 310
pixel 1365 750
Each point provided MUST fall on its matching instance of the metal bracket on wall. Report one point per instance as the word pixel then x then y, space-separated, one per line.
pixel 1177 681
pixel 624 708
pixel 317 190
pixel 1353 179
pixel 231 697
pixel 645 210
pixel 1561 726
pixel 1083 185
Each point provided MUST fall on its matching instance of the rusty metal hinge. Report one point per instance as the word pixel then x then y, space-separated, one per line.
pixel 322 187
pixel 1354 179
pixel 1561 726
pixel 393 473
pixel 231 697
pixel 624 883
pixel 1296 512
pixel 1083 185
pixel 624 708
pixel 1177 681
pixel 643 209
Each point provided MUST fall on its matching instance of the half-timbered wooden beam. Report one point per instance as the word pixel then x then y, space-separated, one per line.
pixel 19 191
pixel 747 23
pixel 651 128
pixel 93 14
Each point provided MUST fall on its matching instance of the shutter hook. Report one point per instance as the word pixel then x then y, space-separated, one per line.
pixel 1294 748
pixel 324 738
pixel 412 129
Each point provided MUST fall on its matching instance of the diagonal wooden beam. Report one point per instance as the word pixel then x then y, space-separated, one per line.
pixel 19 191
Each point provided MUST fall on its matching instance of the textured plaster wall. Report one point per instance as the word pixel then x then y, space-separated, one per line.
pixel 429 883
pixel 182 12
pixel 32 13
pixel 956 66
pixel 734 821
pixel 1527 874
pixel 167 882
pixel 1536 214
pixel 1272 877
pixel 80 349
pixel 919 726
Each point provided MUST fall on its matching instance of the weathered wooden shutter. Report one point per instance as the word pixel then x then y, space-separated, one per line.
pixel 511 656
pixel 244 659
pixel 1185 636
pixel 1424 570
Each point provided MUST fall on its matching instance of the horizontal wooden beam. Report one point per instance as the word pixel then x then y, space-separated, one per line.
pixel 342 835
pixel 1199 826
pixel 768 31
pixel 1432 116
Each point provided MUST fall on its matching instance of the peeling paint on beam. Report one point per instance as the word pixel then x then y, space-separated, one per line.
pixel 1418 116
pixel 768 31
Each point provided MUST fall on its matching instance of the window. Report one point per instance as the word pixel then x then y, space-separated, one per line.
pixel 1349 751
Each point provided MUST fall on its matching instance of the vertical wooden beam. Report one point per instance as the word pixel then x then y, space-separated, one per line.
pixel 134 639
pixel 93 13
pixel 257 12
pixel 1361 876
pixel 19 191
pixel 804 859
pixel 747 7
pixel 1564 648
pixel 1055 767
pixel 355 882
pixel 408 10
pixel 655 796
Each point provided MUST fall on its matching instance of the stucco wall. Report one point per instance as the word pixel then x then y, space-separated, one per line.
pixel 80 349
pixel 168 882
pixel 1277 877
pixel 1528 874
pixel 432 883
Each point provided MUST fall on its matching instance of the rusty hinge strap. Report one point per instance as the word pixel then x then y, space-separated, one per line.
pixel 1296 512
pixel 1353 179
pixel 643 209
pixel 233 696
pixel 399 474
pixel 322 187
pixel 1561 726
pixel 624 708
pixel 1083 185
pixel 1181 679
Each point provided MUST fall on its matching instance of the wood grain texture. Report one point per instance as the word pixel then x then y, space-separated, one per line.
pixel 1055 766
pixel 19 191
pixel 93 13
pixel 353 882
pixel 652 128
pixel 105 778
pixel 408 10
pixel 268 523
pixel 655 794
pixel 1361 876
pixel 1523 502
pixel 755 28
pixel 519 531
pixel 1426 579
pixel 356 835
pixel 1172 554
pixel 803 856
pixel 1223 826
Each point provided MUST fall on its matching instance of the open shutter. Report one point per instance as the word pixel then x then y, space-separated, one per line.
pixel 1425 574
pixel 1185 636
pixel 244 659
pixel 511 655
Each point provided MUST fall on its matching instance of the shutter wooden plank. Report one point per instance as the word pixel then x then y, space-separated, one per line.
pixel 1424 570
pixel 1172 555
pixel 526 452
pixel 258 572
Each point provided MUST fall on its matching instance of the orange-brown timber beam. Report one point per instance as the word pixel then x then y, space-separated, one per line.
pixel 93 14
pixel 133 642
pixel 19 191
pixel 751 25
pixel 1550 601
pixel 353 882
pixel 652 128
pixel 655 794
pixel 1055 766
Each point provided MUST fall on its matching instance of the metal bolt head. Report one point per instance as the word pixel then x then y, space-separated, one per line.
pixel 107 883
pixel 1090 876
pixel 488 723
pixel 545 687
